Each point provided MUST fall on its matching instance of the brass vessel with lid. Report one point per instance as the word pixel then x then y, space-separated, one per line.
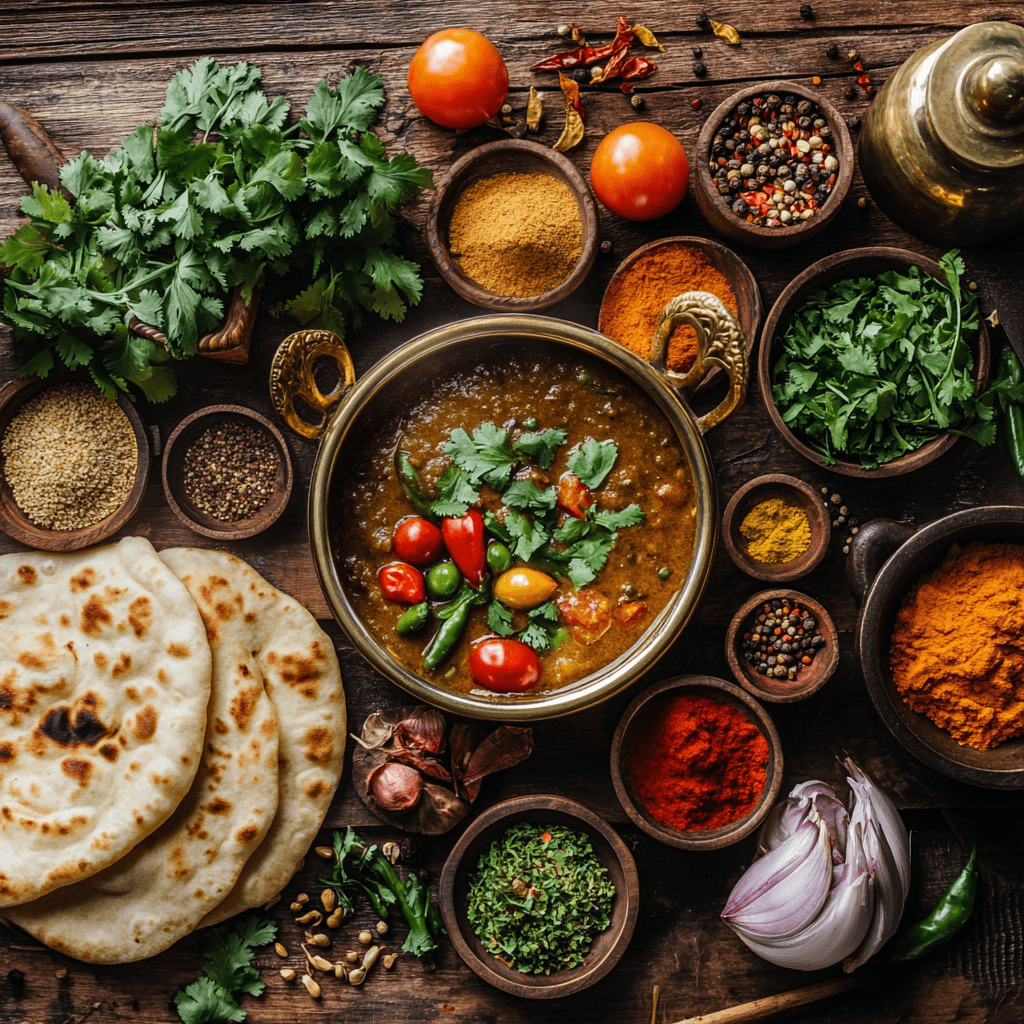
pixel 942 149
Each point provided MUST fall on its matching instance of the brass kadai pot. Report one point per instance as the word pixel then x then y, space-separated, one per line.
pixel 396 382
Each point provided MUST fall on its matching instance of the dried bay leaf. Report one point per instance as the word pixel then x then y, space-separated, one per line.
pixel 647 38
pixel 726 32
pixel 534 110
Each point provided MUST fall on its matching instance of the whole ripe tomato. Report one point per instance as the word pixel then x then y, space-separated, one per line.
pixel 401 583
pixel 417 541
pixel 504 666
pixel 640 171
pixel 458 79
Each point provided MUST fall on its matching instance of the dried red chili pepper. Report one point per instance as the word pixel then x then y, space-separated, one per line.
pixel 571 90
pixel 638 67
pixel 585 55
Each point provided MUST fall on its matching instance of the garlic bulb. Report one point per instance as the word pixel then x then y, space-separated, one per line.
pixel 830 882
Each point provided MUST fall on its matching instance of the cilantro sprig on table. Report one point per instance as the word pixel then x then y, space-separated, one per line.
pixel 220 194
pixel 873 368
pixel 228 974
pixel 576 550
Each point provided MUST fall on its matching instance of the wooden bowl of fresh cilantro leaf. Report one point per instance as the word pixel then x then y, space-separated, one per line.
pixel 873 362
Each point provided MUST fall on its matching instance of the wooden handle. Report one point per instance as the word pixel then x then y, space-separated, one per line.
pixel 762 1009
pixel 872 546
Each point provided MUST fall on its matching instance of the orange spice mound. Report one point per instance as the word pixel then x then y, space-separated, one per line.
pixel 635 300
pixel 957 649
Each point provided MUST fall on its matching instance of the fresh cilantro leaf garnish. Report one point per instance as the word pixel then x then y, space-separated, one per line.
pixel 542 447
pixel 526 535
pixel 526 496
pixel 455 493
pixel 499 618
pixel 593 462
pixel 228 974
pixel 542 627
pixel 485 457
pixel 631 515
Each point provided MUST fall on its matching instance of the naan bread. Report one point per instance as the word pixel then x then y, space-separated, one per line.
pixel 104 682
pixel 303 679
pixel 160 891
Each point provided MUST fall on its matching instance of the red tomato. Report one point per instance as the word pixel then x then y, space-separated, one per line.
pixel 458 79
pixel 640 171
pixel 402 583
pixel 574 497
pixel 504 666
pixel 417 541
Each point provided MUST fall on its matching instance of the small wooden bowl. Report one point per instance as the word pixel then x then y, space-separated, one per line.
pixel 793 491
pixel 810 678
pixel 509 156
pixel 14 522
pixel 640 713
pixel 716 211
pixel 173 472
pixel 741 280
pixel 611 851
pixel 867 262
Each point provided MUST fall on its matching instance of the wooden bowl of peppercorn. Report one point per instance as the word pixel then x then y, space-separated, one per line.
pixel 768 665
pixel 227 473
pixel 713 787
pixel 725 188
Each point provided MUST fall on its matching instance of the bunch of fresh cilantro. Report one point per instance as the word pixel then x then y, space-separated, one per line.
pixel 873 368
pixel 220 194
pixel 228 974
pixel 527 520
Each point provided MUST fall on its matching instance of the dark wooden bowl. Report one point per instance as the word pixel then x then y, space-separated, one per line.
pixel 741 280
pixel 509 156
pixel 716 211
pixel 611 851
pixel 810 678
pixel 640 713
pixel 16 524
pixel 794 492
pixel 173 473
pixel 1002 767
pixel 867 262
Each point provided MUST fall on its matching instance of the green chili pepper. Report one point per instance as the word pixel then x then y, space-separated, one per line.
pixel 464 596
pixel 499 558
pixel 411 483
pixel 949 916
pixel 496 528
pixel 414 618
pixel 447 637
pixel 1010 369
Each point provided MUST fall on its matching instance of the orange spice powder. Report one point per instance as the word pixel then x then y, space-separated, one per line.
pixel 636 299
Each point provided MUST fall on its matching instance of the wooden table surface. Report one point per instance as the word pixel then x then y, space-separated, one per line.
pixel 92 72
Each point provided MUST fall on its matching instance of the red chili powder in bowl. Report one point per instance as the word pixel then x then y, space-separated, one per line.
pixel 698 765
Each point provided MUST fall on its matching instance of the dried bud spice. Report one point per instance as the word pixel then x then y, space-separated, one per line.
pixel 832 51
pixel 230 471
pixel 699 765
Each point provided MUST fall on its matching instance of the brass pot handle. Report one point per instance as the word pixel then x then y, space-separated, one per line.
pixel 720 342
pixel 291 377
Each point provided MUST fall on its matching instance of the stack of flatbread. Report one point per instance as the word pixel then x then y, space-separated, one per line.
pixel 172 730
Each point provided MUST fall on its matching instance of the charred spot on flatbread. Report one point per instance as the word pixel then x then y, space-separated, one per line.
pixel 27 575
pixel 94 616
pixel 83 580
pixel 84 731
pixel 140 614
pixel 318 746
pixel 243 705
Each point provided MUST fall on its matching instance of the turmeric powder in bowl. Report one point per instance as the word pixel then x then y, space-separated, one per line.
pixel 638 295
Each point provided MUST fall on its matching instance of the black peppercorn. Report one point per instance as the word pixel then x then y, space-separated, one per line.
pixel 851 93
pixel 699 69
pixel 703 21
pixel 743 109
pixel 806 11
pixel 607 247
pixel 16 978
pixel 853 123
pixel 741 208
pixel 832 51
pixel 697 53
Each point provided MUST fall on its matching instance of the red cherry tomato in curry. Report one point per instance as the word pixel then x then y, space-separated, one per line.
pixel 458 79
pixel 574 497
pixel 401 583
pixel 466 541
pixel 504 666
pixel 417 541
pixel 640 171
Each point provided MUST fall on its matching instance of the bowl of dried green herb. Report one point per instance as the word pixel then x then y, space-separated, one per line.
pixel 874 361
pixel 540 897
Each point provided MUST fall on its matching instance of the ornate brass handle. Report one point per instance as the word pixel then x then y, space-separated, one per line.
pixel 720 342
pixel 291 377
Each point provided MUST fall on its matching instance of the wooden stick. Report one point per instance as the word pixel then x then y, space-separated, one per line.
pixel 760 1009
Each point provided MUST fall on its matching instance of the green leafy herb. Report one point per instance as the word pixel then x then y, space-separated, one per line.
pixel 542 627
pixel 631 515
pixel 526 496
pixel 218 195
pixel 593 462
pixel 873 368
pixel 454 493
pixel 538 897
pixel 499 618
pixel 486 457
pixel 228 974
pixel 541 447
pixel 362 868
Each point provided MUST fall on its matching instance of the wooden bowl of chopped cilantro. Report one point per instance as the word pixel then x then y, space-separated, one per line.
pixel 874 361
pixel 540 897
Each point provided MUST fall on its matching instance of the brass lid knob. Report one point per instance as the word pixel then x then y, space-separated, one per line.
pixel 975 95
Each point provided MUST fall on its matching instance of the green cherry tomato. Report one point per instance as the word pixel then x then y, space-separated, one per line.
pixel 499 558
pixel 443 580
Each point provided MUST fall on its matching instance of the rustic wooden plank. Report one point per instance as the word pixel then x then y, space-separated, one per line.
pixel 37 31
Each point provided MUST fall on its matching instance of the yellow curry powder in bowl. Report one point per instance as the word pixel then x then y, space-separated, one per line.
pixel 638 294
pixel 957 649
